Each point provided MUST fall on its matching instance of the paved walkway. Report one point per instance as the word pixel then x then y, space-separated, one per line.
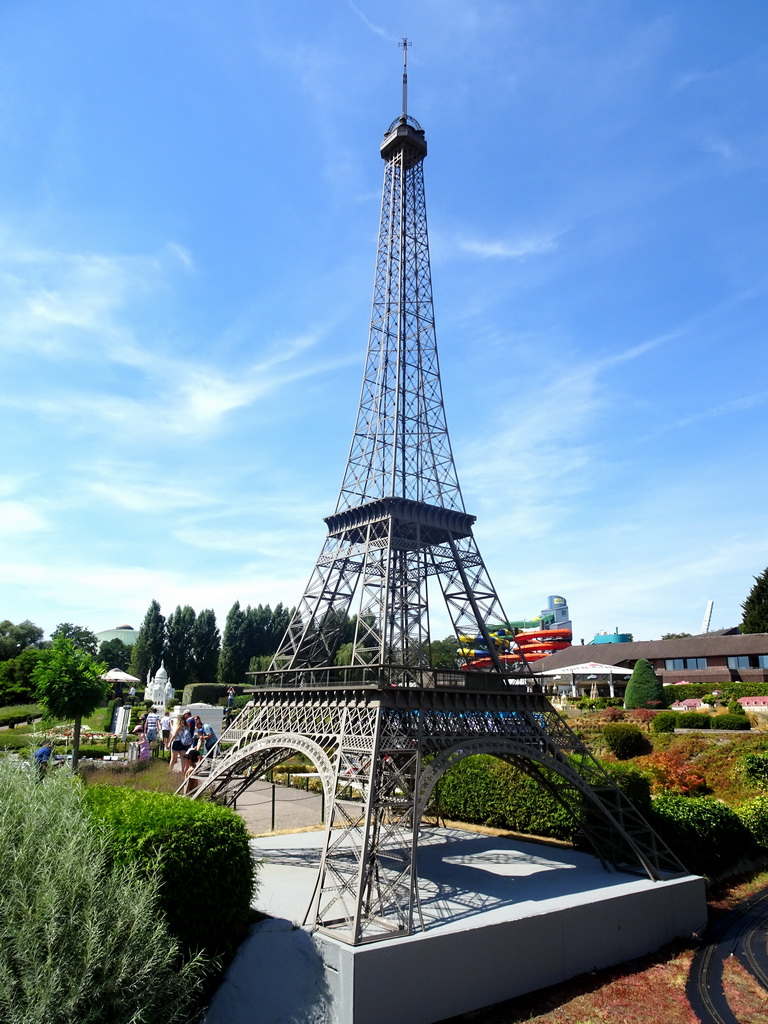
pixel 293 808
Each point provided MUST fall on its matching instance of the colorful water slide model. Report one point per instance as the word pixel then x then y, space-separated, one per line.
pixel 532 639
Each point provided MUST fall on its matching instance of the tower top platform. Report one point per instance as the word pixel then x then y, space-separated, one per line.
pixel 405 132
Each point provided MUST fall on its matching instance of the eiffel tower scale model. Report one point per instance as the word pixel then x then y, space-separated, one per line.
pixel 390 722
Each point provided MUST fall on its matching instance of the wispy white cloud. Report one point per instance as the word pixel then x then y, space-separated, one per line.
pixel 17 517
pixel 520 248
pixel 376 29
pixel 721 147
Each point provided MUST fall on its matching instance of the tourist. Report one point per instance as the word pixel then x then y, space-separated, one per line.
pixel 152 726
pixel 165 729
pixel 181 741
pixel 42 756
pixel 206 737
pixel 190 759
pixel 230 696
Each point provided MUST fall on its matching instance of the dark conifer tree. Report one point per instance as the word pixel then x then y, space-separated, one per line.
pixel 644 689
pixel 206 643
pixel 179 649
pixel 235 655
pixel 756 606
pixel 149 648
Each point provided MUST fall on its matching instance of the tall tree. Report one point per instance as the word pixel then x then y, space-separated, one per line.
pixel 16 637
pixel 16 683
pixel 206 644
pixel 116 653
pixel 756 606
pixel 644 689
pixel 79 635
pixel 235 647
pixel 149 648
pixel 179 646
pixel 69 685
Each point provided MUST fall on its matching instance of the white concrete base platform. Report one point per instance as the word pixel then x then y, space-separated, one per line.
pixel 502 917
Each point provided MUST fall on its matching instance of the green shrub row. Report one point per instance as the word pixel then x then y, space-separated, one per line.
pixel 487 791
pixel 207 874
pixel 668 721
pixel 18 714
pixel 729 690
pixel 207 693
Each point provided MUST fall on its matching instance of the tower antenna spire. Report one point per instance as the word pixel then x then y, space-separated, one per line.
pixel 404 44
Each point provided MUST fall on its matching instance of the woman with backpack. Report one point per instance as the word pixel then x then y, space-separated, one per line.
pixel 181 740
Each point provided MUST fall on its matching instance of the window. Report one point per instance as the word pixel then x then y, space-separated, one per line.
pixel 677 664
pixel 695 662
pixel 762 660
pixel 738 661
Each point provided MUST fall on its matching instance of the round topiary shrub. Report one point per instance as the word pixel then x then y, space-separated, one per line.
pixel 754 815
pixel 624 740
pixel 707 836
pixel 664 721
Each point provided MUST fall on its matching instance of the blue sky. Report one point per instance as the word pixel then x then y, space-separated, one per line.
pixel 189 200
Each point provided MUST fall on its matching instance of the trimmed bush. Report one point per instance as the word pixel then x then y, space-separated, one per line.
pixel 624 740
pixel 204 858
pixel 664 721
pixel 729 722
pixel 754 816
pixel 693 720
pixel 18 714
pixel 707 836
pixel 81 939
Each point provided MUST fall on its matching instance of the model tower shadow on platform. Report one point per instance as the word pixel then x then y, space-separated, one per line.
pixel 389 724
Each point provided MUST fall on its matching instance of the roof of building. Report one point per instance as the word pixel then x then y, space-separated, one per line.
pixel 125 633
pixel 721 641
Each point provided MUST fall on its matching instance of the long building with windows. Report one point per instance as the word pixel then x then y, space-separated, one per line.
pixel 720 656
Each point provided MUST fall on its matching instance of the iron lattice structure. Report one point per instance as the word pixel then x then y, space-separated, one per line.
pixel 400 519
pixel 389 724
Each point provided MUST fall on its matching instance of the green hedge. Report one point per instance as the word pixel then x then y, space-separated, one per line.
pixel 693 720
pixel 754 816
pixel 206 869
pixel 15 739
pixel 18 714
pixel 487 791
pixel 737 722
pixel 728 690
pixel 208 693
pixel 708 837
